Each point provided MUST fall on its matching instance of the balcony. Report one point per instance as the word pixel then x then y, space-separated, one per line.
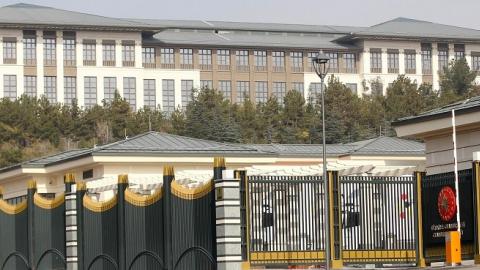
pixel 393 70
pixel 205 67
pixel 278 68
pixel 260 68
pixel 410 71
pixel 128 63
pixel 89 62
pixel 297 69
pixel 223 67
pixel 168 66
pixel 243 68
pixel 9 60
pixel 108 63
pixel 186 66
pixel 149 65
pixel 376 70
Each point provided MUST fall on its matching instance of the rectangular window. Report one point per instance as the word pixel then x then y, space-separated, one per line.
pixel 392 61
pixel 130 92
pixel 186 89
pixel 314 90
pixel 442 56
pixel 243 91
pixel 298 86
pixel 167 58
pixel 476 61
pixel 352 87
pixel 310 57
pixel 297 61
pixel 241 58
pixel 186 58
pixel 148 57
pixel 208 84
pixel 149 94
pixel 279 91
pixel 70 90
pixel 30 50
pixel 30 86
pixel 69 52
pixel 89 53
pixel 168 96
pixel 410 62
pixel 350 63
pixel 260 60
pixel 128 54
pixel 225 87
pixel 10 86
pixel 426 58
pixel 50 84
pixel 261 92
pixel 375 61
pixel 49 51
pixel 90 86
pixel 333 62
pixel 108 53
pixel 278 61
pixel 9 52
pixel 223 59
pixel 109 88
pixel 205 59
pixel 459 50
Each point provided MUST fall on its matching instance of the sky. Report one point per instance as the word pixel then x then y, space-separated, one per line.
pixel 334 12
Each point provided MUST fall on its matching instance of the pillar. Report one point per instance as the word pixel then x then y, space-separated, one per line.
pixel 70 222
pixel 335 220
pixel 79 193
pixel 168 176
pixel 476 182
pixel 419 249
pixel 32 188
pixel 122 256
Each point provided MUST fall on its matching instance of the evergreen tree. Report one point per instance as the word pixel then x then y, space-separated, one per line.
pixel 457 78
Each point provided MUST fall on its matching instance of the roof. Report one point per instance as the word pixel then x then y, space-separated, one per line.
pixel 162 144
pixel 411 28
pixel 35 16
pixel 461 107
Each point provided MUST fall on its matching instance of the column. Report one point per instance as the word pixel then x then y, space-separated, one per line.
pixel 32 189
pixel 401 61
pixel 365 68
pixel 417 187
pixel 476 193
pixel 384 61
pixel 98 53
pixel 80 192
pixel 451 52
pixel 138 54
pixel 118 54
pixel 122 256
pixel 60 79
pixel 40 65
pixel 435 76
pixel 418 62
pixel 70 222
pixel 1 52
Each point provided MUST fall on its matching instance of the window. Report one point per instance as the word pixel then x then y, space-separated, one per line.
pixel 298 86
pixel 208 84
pixel 392 61
pixel 10 86
pixel 377 88
pixel 149 94
pixel 70 90
pixel 375 61
pixel 148 57
pixel 410 62
pixel 442 56
pixel 130 92
pixel 459 50
pixel 128 53
pixel 50 84
pixel 186 89
pixel 49 51
pixel 30 50
pixel 69 53
pixel 297 61
pixel 261 92
pixel 243 91
pixel 352 87
pixel 223 59
pixel 108 53
pixel 333 62
pixel 90 93
pixel 427 58
pixel 89 53
pixel 279 91
pixel 109 88
pixel 278 61
pixel 260 60
pixel 87 174
pixel 30 86
pixel 225 87
pixel 475 61
pixel 205 59
pixel 459 55
pixel 186 58
pixel 16 200
pixel 310 57
pixel 9 51
pixel 314 90
pixel 168 96
pixel 167 58
pixel 350 63
pixel 242 60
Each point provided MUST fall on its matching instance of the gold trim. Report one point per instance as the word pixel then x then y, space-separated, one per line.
pixel 48 204
pixel 69 178
pixel 13 209
pixel 286 256
pixel 1 190
pixel 191 193
pixel 98 207
pixel 143 200
pixel 168 170
pixel 378 255
pixel 32 184
pixel 421 256
pixel 219 162
pixel 81 186
pixel 123 179
pixel 247 216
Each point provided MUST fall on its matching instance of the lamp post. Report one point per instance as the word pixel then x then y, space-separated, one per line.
pixel 320 64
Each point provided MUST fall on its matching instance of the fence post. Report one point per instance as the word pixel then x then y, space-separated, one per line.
pixel 218 168
pixel 122 185
pixel 476 184
pixel 419 249
pixel 242 176
pixel 80 192
pixel 32 188
pixel 168 176
pixel 70 222
pixel 335 220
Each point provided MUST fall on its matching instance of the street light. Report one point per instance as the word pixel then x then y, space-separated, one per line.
pixel 320 64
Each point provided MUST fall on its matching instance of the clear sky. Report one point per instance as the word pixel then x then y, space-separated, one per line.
pixel 333 12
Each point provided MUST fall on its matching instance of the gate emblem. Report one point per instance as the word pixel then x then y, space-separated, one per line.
pixel 446 203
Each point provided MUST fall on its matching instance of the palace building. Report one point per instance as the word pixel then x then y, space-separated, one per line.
pixel 66 55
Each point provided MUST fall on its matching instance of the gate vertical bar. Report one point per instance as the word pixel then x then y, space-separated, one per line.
pixel 476 185
pixel 122 245
pixel 336 217
pixel 418 220
pixel 168 175
pixel 32 188
pixel 81 189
